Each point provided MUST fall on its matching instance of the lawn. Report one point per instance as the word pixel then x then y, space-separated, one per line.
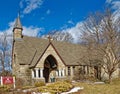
pixel 113 88
pixel 89 88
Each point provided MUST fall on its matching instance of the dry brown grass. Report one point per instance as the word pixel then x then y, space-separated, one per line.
pixel 113 88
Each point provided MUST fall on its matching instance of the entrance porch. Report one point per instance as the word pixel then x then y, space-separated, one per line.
pixel 48 71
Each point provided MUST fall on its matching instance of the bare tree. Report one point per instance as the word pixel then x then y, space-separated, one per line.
pixel 102 36
pixel 60 36
pixel 5 53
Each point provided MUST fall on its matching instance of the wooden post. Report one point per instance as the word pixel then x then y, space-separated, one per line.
pixel 14 82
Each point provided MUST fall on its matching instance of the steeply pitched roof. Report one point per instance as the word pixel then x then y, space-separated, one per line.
pixel 70 53
pixel 30 49
pixel 18 23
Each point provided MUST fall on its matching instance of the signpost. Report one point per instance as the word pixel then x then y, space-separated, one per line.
pixel 8 80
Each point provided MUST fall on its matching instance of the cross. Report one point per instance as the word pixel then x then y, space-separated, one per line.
pixel 49 38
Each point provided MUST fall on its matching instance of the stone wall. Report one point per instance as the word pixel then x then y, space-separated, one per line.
pixel 24 73
pixel 50 51
pixel 20 71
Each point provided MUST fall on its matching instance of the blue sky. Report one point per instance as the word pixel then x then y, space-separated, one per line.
pixel 48 15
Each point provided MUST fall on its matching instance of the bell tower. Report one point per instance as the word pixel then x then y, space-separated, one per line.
pixel 17 30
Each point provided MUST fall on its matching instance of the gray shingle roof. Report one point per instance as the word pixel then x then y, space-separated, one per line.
pixel 30 49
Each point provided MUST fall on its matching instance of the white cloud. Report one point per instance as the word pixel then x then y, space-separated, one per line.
pixel 108 1
pixel 29 31
pixel 48 11
pixel 115 4
pixel 30 5
pixel 75 31
pixel 21 3
pixel 10 29
pixel 70 22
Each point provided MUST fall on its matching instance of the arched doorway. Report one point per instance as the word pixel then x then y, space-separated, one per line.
pixel 50 64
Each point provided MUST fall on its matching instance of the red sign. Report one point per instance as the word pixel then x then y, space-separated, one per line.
pixel 7 80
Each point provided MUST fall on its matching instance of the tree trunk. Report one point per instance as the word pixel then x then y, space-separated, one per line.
pixel 110 79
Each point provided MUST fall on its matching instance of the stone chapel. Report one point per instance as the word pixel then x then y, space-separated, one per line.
pixel 34 59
